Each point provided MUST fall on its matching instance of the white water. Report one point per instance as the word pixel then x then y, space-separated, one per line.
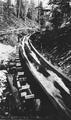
pixel 6 52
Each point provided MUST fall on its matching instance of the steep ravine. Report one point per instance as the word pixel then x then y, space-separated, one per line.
pixel 57 51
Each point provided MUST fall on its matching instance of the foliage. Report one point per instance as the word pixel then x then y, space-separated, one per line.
pixel 60 13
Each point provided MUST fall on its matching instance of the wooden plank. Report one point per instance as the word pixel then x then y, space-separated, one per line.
pixel 47 63
pixel 29 96
pixel 18 64
pixel 20 73
pixel 53 82
pixel 24 87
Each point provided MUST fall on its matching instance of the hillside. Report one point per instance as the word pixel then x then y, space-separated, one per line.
pixel 12 22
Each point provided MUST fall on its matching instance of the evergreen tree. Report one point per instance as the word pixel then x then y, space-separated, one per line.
pixel 18 7
pixel 25 8
pixel 60 13
pixel 31 10
pixel 40 14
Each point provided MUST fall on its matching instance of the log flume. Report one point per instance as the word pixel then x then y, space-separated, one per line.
pixel 55 84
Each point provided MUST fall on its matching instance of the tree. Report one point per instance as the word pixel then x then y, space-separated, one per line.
pixel 19 2
pixel 40 14
pixel 24 9
pixel 31 10
pixel 65 8
pixel 60 13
